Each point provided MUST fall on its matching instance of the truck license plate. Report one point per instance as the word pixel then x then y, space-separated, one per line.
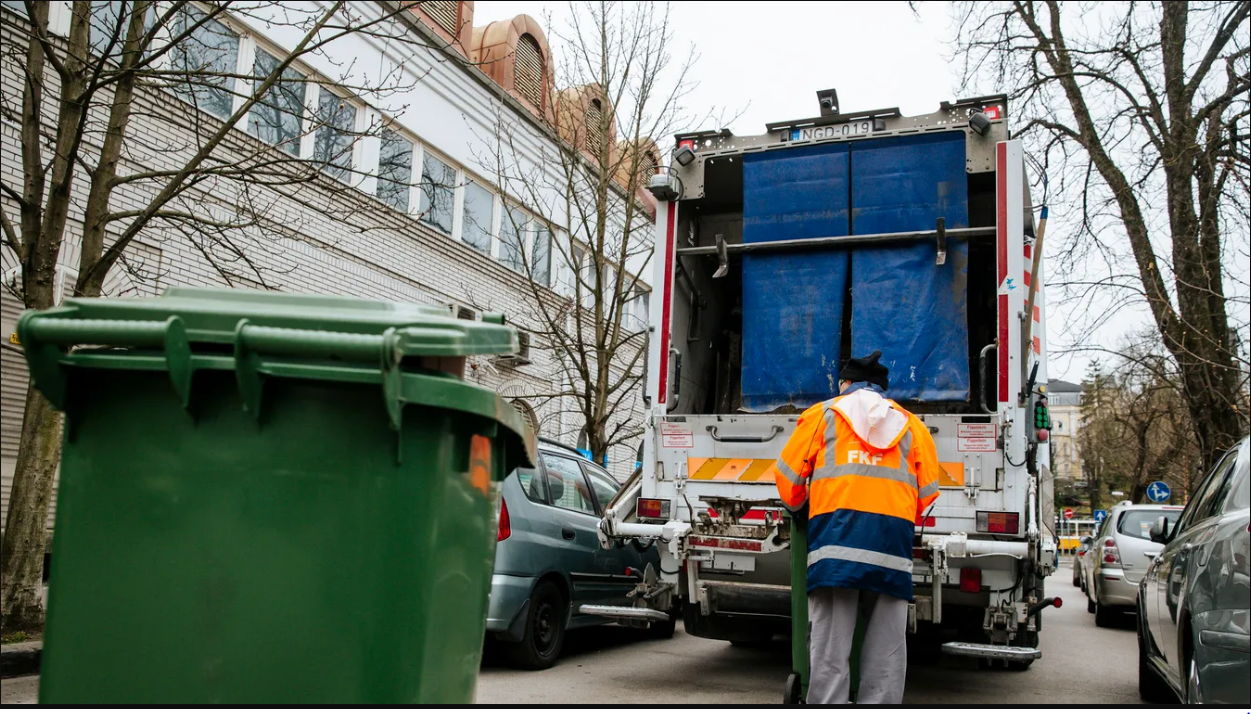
pixel 734 561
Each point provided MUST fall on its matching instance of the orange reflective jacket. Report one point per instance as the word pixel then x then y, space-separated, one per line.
pixel 868 469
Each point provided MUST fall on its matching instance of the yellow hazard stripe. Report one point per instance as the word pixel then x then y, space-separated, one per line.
pixel 704 469
pixel 708 470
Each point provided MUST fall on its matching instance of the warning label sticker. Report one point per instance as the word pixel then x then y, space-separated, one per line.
pixel 676 436
pixel 977 430
pixel 976 437
pixel 975 443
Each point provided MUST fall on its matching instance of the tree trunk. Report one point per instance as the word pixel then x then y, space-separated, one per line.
pixel 25 529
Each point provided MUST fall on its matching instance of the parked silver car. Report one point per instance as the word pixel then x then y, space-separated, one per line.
pixel 548 560
pixel 1122 552
pixel 1194 603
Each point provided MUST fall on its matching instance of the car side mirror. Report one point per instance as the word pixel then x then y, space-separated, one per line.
pixel 1159 531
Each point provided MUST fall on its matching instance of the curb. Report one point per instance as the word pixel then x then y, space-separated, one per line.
pixel 21 659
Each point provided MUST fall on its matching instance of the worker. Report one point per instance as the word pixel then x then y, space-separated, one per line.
pixel 866 470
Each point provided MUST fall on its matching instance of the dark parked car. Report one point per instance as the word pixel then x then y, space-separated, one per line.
pixel 1079 579
pixel 1194 638
pixel 548 560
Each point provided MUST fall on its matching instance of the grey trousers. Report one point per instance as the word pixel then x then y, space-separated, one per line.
pixel 883 656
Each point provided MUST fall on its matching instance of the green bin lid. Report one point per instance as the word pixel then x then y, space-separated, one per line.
pixel 274 335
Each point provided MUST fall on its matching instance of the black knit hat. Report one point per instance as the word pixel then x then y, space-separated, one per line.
pixel 866 369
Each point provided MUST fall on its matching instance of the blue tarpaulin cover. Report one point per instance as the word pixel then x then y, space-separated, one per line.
pixel 793 301
pixel 902 303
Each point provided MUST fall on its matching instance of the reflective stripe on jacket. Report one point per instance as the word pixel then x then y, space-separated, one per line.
pixel 867 469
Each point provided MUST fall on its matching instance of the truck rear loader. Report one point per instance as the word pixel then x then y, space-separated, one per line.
pixel 778 257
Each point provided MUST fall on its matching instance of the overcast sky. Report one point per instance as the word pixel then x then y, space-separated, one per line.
pixel 768 65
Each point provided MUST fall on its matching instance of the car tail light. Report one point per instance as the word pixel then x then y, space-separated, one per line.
pixel 506 525
pixel 970 580
pixel 998 522
pixel 1111 554
pixel 655 508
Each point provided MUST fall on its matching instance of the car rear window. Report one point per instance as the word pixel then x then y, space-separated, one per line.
pixel 534 488
pixel 1137 524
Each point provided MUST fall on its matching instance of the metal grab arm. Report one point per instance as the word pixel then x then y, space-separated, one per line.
pixel 712 430
pixel 981 377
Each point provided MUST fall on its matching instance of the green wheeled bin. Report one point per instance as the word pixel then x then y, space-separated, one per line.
pixel 270 498
pixel 797 682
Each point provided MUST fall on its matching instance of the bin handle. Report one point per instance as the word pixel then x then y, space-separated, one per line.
pixel 712 430
pixel 46 338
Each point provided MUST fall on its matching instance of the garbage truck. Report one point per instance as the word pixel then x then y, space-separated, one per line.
pixel 779 256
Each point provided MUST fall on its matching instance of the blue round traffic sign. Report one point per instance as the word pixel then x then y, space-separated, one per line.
pixel 1158 491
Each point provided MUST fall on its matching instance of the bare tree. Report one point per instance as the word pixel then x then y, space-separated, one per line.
pixel 1140 113
pixel 129 127
pixel 1136 424
pixel 621 88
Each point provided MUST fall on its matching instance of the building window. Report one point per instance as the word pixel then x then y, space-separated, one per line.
pixel 336 134
pixel 445 13
pixel 512 233
pixel 648 169
pixel 528 71
pixel 527 414
pixel 109 23
pixel 637 310
pixel 200 65
pixel 438 189
pixel 276 117
pixel 594 127
pixel 475 227
pixel 541 255
pixel 395 170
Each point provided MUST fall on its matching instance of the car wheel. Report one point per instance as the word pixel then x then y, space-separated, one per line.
pixel 1150 686
pixel 1090 602
pixel 545 629
pixel 664 630
pixel 1077 579
pixel 1104 616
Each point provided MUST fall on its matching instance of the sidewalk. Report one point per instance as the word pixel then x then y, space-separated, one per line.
pixel 20 659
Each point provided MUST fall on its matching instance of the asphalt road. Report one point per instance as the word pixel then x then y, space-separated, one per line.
pixel 1081 664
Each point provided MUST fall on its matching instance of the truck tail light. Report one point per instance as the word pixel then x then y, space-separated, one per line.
pixel 970 580
pixel 926 521
pixel 506 525
pixel 998 522
pixel 654 508
pixel 1111 554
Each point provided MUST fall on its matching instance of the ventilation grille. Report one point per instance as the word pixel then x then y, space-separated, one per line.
pixel 444 13
pixel 465 313
pixel 523 345
pixel 528 76
pixel 594 128
pixel 521 356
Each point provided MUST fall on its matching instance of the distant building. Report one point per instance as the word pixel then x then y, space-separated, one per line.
pixel 1064 401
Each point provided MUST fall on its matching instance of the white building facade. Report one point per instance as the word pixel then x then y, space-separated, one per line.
pixel 442 236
